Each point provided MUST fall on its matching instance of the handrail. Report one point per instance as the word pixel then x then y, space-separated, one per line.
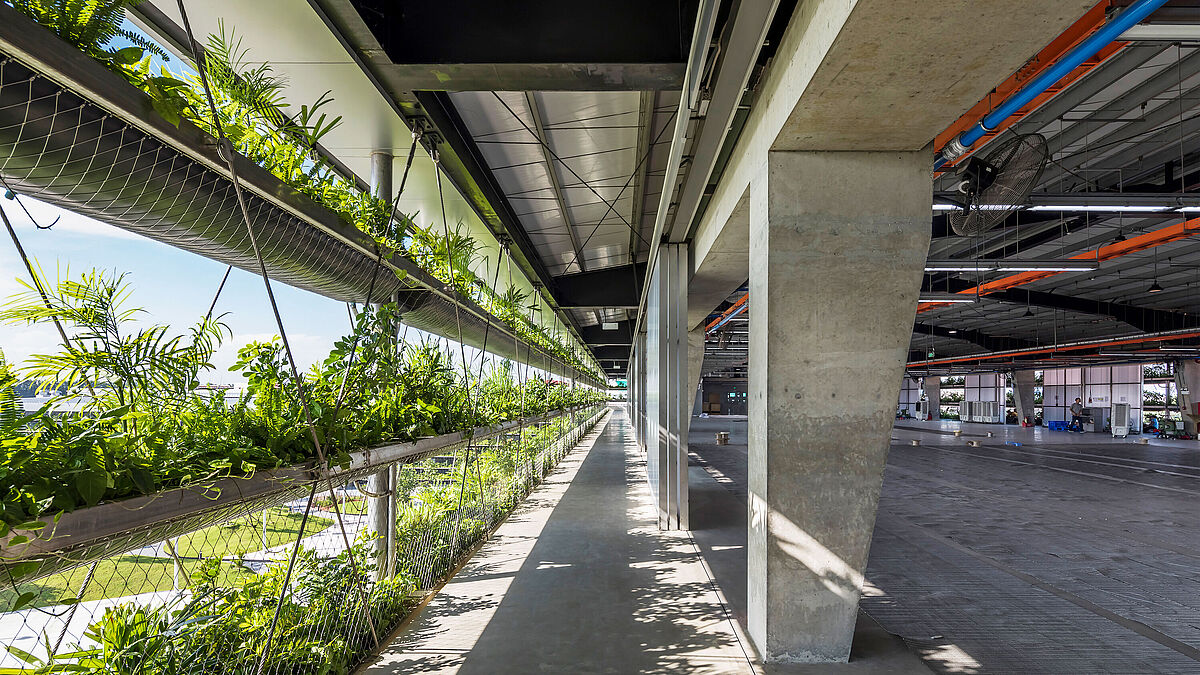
pixel 114 527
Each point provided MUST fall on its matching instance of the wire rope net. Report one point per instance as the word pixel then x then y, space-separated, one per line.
pixel 283 570
pixel 200 600
pixel 61 148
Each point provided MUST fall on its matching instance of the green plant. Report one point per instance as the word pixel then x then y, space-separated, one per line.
pixel 251 112
pixel 149 427
pixel 91 25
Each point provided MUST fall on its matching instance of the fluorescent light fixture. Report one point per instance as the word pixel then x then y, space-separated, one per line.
pixel 978 207
pixel 1118 354
pixel 1167 32
pixel 1188 209
pixel 1101 207
pixel 1011 265
pixel 607 325
pixel 1178 349
pixel 946 297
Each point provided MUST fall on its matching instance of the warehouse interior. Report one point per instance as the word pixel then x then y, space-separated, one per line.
pixel 841 268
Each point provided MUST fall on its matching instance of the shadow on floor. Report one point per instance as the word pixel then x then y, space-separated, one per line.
pixel 600 591
pixel 717 501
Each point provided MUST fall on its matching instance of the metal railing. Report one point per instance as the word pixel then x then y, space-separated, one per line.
pixel 266 585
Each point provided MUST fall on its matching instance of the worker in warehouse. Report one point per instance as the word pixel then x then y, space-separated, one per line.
pixel 1077 415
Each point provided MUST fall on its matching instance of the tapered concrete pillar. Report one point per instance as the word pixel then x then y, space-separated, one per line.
pixel 1023 384
pixel 933 394
pixel 838 242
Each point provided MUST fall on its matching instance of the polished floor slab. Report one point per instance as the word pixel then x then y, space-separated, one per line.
pixel 1067 553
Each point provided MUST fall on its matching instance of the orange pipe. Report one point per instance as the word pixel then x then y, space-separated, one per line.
pixel 733 309
pixel 1141 242
pixel 1079 31
pixel 1051 350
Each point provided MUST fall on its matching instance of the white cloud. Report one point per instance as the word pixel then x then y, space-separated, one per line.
pixel 308 349
pixel 44 214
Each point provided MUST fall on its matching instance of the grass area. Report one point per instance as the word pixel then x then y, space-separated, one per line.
pixel 353 505
pixel 131 574
pixel 245 535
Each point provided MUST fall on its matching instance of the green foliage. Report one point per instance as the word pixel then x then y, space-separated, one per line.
pixel 150 428
pixel 91 25
pixel 219 628
pixel 11 410
pixel 251 111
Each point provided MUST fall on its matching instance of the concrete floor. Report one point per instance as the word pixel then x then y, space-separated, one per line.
pixel 1066 554
pixel 718 520
pixel 578 580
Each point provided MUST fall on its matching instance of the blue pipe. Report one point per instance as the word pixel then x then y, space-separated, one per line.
pixel 727 319
pixel 1133 15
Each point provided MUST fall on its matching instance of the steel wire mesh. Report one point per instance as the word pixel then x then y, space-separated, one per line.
pixel 58 147
pixel 200 600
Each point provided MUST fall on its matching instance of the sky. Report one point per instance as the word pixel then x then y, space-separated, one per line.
pixel 173 286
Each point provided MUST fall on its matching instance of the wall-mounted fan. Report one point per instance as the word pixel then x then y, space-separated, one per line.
pixel 995 185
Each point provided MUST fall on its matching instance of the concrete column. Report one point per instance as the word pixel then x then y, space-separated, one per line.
pixel 669 392
pixel 933 393
pixel 1023 384
pixel 838 242
pixel 695 367
pixel 1187 378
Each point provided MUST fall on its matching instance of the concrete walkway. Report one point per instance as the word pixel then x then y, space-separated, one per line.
pixel 578 580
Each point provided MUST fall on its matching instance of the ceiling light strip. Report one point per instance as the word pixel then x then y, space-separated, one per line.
pixel 1143 242
pixel 1092 344
pixel 1011 265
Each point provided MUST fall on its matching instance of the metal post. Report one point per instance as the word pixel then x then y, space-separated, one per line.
pixel 380 505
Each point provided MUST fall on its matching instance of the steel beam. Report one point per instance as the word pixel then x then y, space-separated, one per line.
pixel 984 340
pixel 739 54
pixel 610 287
pixel 1146 319
pixel 597 336
pixel 464 163
pixel 645 138
pixel 539 132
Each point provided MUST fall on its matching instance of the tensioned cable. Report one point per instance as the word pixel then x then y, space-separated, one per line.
pixel 437 170
pixel 37 284
pixel 568 168
pixel 12 233
pixel 220 287
pixel 374 275
pixel 628 182
pixel 8 190
pixel 337 408
pixel 227 151
pixel 482 362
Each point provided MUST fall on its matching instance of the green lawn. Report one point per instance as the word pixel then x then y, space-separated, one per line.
pixel 355 506
pixel 245 535
pixel 130 574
